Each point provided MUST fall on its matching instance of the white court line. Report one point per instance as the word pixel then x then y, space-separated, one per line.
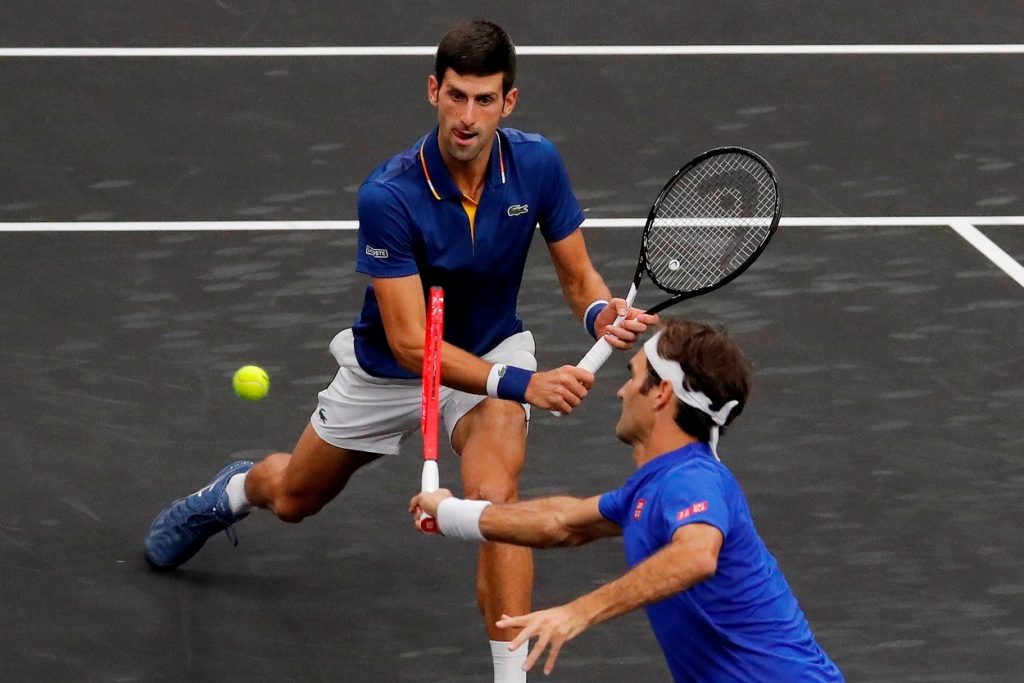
pixel 228 226
pixel 177 226
pixel 525 50
pixel 963 225
pixel 990 249
pixel 836 221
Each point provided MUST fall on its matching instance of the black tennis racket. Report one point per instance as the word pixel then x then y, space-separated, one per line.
pixel 712 219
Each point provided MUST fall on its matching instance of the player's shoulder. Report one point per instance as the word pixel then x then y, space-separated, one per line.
pixel 706 469
pixel 397 172
pixel 528 145
pixel 518 137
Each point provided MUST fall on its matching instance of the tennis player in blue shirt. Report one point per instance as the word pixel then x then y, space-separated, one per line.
pixel 458 209
pixel 715 597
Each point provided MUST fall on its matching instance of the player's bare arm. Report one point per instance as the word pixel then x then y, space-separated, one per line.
pixel 403 314
pixel 583 285
pixel 692 557
pixel 556 521
pixel 553 522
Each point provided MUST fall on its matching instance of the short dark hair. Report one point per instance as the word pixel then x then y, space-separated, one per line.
pixel 477 48
pixel 712 363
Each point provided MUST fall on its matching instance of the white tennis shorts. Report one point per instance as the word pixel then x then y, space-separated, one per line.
pixel 376 414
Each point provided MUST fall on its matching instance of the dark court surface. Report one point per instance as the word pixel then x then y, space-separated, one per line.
pixel 881 451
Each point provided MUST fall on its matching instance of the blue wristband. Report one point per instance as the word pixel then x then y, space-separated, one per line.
pixel 590 317
pixel 513 382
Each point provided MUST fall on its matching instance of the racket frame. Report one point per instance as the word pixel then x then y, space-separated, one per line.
pixel 430 399
pixel 642 266
pixel 601 350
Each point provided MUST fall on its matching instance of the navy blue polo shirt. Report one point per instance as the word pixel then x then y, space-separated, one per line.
pixel 412 221
pixel 742 624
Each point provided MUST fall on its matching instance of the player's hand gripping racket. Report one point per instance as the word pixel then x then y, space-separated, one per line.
pixel 429 401
pixel 712 219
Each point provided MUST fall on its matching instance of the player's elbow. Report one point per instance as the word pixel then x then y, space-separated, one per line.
pixel 573 539
pixel 552 535
pixel 559 533
pixel 408 354
pixel 705 566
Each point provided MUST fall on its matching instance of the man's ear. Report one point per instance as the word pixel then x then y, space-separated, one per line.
pixel 663 395
pixel 433 88
pixel 509 103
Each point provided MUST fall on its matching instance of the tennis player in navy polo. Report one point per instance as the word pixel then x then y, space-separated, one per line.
pixel 458 209
pixel 415 221
pixel 717 602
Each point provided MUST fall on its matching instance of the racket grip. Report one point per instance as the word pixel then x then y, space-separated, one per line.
pixel 595 358
pixel 602 350
pixel 429 482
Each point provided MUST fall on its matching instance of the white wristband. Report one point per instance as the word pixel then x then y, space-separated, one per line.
pixel 458 518
pixel 493 377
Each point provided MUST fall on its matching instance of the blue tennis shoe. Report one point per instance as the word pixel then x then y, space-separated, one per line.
pixel 181 528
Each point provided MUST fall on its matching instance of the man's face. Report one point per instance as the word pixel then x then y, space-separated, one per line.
pixel 469 109
pixel 637 410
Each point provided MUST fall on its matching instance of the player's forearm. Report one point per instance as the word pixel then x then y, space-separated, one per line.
pixel 581 291
pixel 535 523
pixel 671 570
pixel 580 282
pixel 463 371
pixel 459 369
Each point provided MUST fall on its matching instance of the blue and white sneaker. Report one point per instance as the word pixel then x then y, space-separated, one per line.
pixel 181 528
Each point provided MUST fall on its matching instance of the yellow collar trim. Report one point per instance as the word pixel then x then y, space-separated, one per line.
pixel 426 173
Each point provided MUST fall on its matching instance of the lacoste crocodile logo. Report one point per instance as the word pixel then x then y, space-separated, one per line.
pixel 518 209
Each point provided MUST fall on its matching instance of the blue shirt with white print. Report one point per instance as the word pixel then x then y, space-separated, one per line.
pixel 412 221
pixel 742 624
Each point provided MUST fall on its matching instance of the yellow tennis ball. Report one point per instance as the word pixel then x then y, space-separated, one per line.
pixel 251 382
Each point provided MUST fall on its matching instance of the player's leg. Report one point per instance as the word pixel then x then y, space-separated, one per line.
pixel 490 437
pixel 491 440
pixel 298 484
pixel 356 417
pixel 293 485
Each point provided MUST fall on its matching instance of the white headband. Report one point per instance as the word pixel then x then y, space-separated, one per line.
pixel 672 371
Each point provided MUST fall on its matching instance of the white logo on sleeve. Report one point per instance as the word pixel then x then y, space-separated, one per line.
pixel 376 253
pixel 518 209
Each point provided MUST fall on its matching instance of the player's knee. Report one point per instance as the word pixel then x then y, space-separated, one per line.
pixel 496 426
pixel 293 508
pixel 504 414
pixel 294 505
pixel 498 491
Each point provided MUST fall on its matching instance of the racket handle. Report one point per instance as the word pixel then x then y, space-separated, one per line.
pixel 597 355
pixel 595 358
pixel 429 482
pixel 602 350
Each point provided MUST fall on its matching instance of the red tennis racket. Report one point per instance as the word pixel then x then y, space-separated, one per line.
pixel 429 403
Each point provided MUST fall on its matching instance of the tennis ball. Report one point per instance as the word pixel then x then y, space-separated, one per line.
pixel 251 382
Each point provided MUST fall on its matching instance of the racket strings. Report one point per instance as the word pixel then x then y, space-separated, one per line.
pixel 710 222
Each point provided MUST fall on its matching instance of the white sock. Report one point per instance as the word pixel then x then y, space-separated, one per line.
pixel 508 666
pixel 235 489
